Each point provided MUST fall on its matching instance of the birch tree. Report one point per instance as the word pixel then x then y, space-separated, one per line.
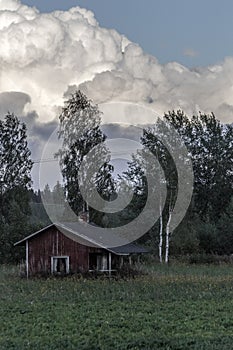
pixel 80 132
pixel 151 141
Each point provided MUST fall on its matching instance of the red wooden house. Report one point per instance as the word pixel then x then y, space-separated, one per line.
pixel 69 248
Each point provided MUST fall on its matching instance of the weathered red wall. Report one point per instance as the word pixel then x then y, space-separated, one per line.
pixel 52 242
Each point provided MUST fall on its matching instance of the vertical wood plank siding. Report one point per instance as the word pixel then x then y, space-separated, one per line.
pixel 52 242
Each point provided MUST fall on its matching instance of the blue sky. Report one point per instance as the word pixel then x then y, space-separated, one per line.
pixel 194 33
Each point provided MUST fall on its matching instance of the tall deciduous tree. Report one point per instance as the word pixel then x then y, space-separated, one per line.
pixel 80 132
pixel 15 180
pixel 151 141
pixel 15 162
pixel 211 148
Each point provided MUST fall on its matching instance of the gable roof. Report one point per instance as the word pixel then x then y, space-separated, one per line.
pixel 80 232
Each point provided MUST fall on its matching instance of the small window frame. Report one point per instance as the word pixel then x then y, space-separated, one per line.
pixel 53 264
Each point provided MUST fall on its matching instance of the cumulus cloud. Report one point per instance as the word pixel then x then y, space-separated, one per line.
pixel 47 56
pixel 42 54
pixel 13 101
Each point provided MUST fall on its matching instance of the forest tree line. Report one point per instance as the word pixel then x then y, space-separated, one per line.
pixel 208 224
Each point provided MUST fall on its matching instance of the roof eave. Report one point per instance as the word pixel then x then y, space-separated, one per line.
pixel 62 226
pixel 32 235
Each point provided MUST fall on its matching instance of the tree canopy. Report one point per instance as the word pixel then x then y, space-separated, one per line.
pixel 80 131
pixel 15 181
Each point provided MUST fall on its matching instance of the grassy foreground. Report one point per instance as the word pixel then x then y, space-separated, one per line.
pixel 179 307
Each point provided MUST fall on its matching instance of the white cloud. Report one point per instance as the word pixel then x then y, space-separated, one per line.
pixel 45 56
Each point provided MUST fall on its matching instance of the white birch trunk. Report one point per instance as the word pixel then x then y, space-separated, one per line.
pixel 161 235
pixel 168 237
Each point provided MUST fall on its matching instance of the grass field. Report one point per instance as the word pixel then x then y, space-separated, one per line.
pixel 175 307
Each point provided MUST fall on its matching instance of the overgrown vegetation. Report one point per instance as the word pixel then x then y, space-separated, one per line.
pixel 176 307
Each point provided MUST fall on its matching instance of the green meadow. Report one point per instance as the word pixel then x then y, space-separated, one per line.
pixel 175 307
